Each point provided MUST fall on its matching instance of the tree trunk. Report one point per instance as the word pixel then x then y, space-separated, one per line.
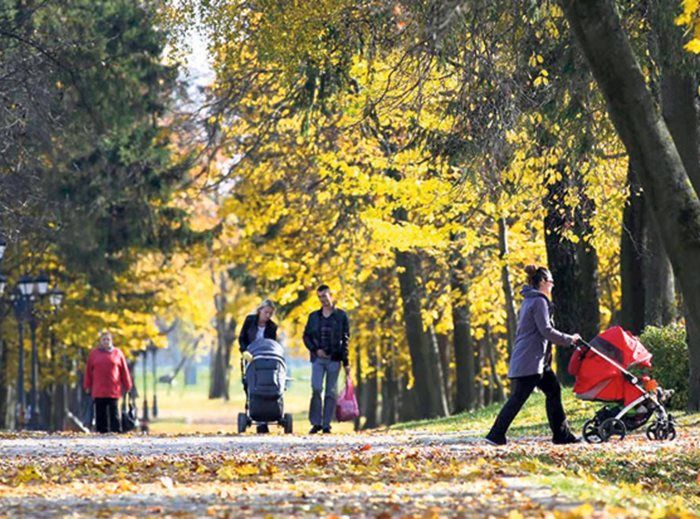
pixel 3 384
pixel 659 287
pixel 225 337
pixel 441 366
pixel 511 316
pixel 588 315
pixel 359 387
pixel 480 387
pixel 408 402
pixel 444 350
pixel 390 389
pixel 693 341
pixel 484 389
pixel 498 393
pixel 465 376
pixel 561 258
pixel 679 77
pixel 668 192
pixel 574 267
pixel 372 389
pixel 429 394
pixel 631 258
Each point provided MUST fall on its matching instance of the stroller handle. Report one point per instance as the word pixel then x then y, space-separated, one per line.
pixel 582 342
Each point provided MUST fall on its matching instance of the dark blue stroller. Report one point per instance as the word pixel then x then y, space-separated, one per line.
pixel 264 381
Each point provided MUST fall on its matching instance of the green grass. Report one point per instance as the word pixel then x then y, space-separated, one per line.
pixel 531 421
pixel 626 476
pixel 663 483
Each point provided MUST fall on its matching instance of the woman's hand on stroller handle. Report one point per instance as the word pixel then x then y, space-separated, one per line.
pixel 576 340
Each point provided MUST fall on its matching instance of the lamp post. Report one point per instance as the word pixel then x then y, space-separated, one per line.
pixel 154 408
pixel 144 418
pixel 19 304
pixel 23 297
pixel 41 288
pixel 26 293
pixel 55 300
pixel 21 300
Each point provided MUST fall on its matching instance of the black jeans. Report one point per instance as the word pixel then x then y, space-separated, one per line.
pixel 107 415
pixel 521 389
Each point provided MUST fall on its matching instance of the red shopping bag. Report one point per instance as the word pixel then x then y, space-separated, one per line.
pixel 346 407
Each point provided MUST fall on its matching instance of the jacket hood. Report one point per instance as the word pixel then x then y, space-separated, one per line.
pixel 530 292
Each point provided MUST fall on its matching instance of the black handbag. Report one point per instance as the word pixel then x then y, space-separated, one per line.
pixel 129 419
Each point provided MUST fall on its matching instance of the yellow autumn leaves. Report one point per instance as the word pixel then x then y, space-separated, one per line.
pixel 690 18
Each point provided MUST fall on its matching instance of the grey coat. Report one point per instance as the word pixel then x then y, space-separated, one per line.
pixel 531 352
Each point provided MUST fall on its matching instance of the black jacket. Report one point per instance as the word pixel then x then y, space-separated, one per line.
pixel 339 337
pixel 250 328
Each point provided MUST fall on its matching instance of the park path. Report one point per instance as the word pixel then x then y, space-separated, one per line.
pixel 362 475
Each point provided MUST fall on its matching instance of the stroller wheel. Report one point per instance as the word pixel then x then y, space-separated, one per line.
pixel 651 431
pixel 590 432
pixel 288 423
pixel 610 428
pixel 671 432
pixel 242 422
pixel 662 431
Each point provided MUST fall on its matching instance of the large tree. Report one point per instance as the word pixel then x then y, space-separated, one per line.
pixel 669 189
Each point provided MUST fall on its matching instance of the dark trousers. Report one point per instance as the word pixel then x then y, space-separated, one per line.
pixel 106 415
pixel 521 389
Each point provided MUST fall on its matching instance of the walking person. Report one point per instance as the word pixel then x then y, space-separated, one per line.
pixel 258 325
pixel 531 360
pixel 107 378
pixel 326 335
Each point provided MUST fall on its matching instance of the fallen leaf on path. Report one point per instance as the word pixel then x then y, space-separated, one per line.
pixel 167 483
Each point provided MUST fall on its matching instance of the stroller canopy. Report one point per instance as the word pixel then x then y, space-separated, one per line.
pixel 598 379
pixel 266 347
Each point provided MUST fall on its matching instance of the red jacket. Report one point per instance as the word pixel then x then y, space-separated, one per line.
pixel 106 374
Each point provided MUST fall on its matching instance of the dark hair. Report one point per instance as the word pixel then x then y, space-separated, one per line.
pixel 323 288
pixel 535 275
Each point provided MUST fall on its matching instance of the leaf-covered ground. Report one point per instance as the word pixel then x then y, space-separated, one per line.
pixel 396 474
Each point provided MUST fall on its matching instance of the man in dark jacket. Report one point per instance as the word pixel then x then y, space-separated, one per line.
pixel 326 336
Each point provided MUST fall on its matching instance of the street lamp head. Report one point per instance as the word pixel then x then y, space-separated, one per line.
pixel 56 297
pixel 3 284
pixel 42 284
pixel 3 246
pixel 26 285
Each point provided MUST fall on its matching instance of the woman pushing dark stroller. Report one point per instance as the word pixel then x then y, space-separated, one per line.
pixel 263 372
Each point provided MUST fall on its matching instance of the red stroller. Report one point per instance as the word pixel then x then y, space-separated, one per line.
pixel 601 368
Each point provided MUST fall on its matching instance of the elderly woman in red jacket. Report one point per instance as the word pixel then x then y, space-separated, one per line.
pixel 107 377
